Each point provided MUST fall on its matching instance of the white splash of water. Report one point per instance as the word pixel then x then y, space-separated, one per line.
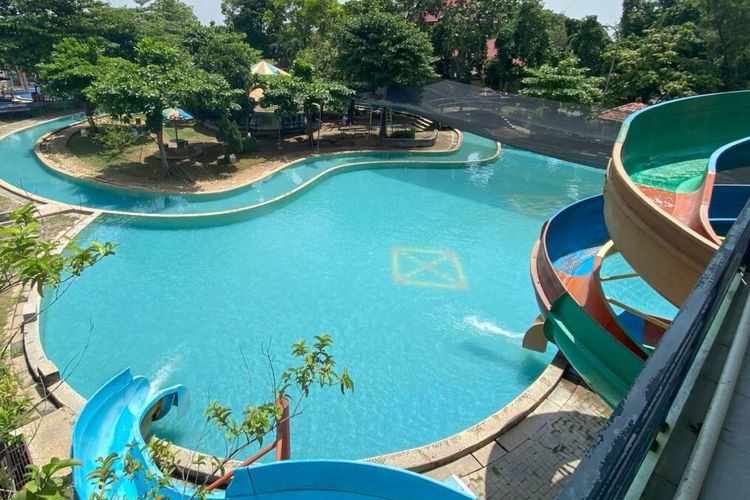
pixel 169 364
pixel 487 326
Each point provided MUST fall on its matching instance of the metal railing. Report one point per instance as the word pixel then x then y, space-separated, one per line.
pixel 608 469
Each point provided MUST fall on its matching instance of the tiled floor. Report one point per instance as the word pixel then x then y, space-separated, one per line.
pixel 534 459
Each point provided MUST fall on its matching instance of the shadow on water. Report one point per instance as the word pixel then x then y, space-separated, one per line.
pixel 530 186
pixel 528 367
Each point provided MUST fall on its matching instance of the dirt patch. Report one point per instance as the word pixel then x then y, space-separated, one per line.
pixel 137 167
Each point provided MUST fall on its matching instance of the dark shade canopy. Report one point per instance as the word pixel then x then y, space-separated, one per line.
pixel 571 132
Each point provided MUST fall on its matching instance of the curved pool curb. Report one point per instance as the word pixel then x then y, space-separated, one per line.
pixel 43 156
pixel 361 165
pixel 334 170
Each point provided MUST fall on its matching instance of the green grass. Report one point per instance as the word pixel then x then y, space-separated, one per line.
pixel 140 153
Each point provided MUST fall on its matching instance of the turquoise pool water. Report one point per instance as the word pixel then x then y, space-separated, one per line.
pixel 420 275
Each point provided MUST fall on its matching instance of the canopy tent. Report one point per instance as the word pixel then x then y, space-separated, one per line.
pixel 571 132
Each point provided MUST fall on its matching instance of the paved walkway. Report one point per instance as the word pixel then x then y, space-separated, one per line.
pixel 535 458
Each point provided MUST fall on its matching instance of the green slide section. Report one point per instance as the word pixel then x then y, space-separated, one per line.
pixel 607 366
pixel 667 146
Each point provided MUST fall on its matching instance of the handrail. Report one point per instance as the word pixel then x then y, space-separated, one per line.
pixel 282 445
pixel 610 466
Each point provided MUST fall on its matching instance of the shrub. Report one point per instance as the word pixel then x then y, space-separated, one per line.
pixel 228 133
pixel 115 137
pixel 249 144
pixel 408 133
pixel 13 407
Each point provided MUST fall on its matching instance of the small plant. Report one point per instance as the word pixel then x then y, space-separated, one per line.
pixel 13 408
pixel 408 133
pixel 316 368
pixel 249 145
pixel 44 484
pixel 115 137
pixel 104 475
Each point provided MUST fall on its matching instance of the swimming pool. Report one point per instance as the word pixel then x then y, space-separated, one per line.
pixel 420 275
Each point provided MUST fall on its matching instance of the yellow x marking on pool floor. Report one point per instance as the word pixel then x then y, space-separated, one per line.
pixel 429 268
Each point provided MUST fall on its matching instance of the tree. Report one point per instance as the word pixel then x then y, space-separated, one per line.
pixel 589 42
pixel 291 25
pixel 303 89
pixel 726 23
pixel 247 16
pixel 664 63
pixel 566 82
pixel 166 20
pixel 222 52
pixel 381 49
pixel 637 15
pixel 161 77
pixel 117 28
pixel 29 28
pixel 461 33
pixel 523 42
pixel 73 68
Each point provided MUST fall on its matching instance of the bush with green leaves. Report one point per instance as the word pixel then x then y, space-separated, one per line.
pixel 115 137
pixel 249 145
pixel 404 133
pixel 46 483
pixel 13 407
pixel 29 259
pixel 228 133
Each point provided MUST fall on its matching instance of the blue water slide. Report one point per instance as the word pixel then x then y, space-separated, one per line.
pixel 111 422
pixel 115 419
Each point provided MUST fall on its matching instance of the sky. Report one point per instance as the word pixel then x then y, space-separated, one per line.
pixel 608 11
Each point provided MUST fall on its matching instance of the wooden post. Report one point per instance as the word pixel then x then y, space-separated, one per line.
pixel 283 434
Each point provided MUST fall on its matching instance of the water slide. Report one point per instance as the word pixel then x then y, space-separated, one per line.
pixel 660 182
pixel 662 211
pixel 116 418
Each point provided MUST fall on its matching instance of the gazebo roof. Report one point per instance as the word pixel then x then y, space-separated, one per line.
pixel 620 113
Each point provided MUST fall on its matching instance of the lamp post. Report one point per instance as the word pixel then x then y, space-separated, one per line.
pixel 611 66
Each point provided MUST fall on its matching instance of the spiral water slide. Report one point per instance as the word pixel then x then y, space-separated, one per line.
pixel 662 211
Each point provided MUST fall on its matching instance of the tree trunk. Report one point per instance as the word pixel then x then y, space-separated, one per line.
pixel 310 136
pixel 162 152
pixel 383 124
pixel 350 111
pixel 321 125
pixel 88 110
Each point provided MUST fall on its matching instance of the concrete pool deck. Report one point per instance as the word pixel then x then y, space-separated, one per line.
pixel 534 459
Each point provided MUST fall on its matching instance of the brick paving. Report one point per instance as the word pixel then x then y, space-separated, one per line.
pixel 534 459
